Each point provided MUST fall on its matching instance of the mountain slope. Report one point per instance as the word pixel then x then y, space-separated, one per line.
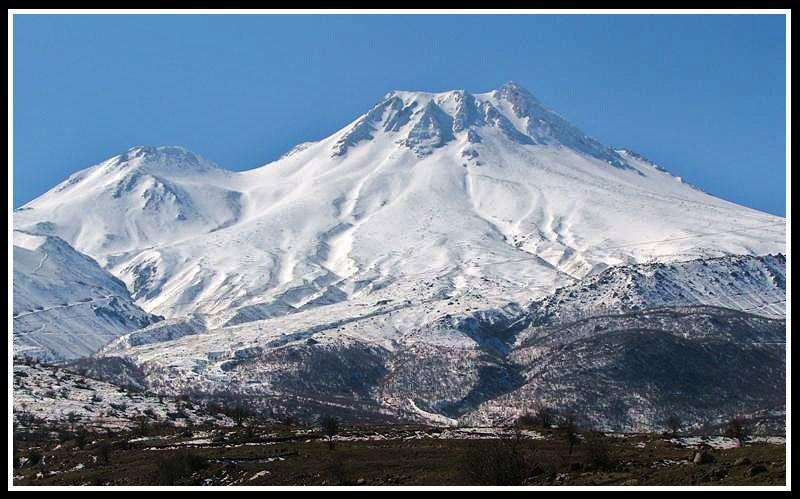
pixel 450 357
pixel 487 194
pixel 622 372
pixel 631 372
pixel 57 395
pixel 65 305
pixel 751 284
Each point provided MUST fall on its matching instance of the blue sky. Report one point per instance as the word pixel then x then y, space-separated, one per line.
pixel 704 96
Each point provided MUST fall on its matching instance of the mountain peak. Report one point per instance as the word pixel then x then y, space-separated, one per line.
pixel 436 118
pixel 512 86
pixel 506 88
pixel 162 155
pixel 513 91
pixel 157 160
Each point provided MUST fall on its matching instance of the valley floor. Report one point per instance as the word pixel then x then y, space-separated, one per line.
pixel 388 455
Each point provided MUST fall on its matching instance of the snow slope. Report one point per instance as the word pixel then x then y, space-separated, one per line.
pixel 65 305
pixel 490 194
pixel 144 197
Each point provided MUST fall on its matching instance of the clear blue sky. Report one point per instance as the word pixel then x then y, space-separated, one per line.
pixel 702 95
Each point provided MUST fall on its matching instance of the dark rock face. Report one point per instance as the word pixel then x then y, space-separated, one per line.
pixel 545 126
pixel 433 129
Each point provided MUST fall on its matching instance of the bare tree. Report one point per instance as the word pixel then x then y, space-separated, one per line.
pixel 81 438
pixel 330 426
pixel 104 451
pixel 598 450
pixel 526 420
pixel 569 430
pixel 674 424
pixel 737 428
pixel 143 425
pixel 250 429
pixel 239 413
pixel 546 417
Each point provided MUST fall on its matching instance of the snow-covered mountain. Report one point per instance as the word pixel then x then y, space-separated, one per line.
pixel 488 193
pixel 399 267
pixel 431 356
pixel 65 305
pixel 144 197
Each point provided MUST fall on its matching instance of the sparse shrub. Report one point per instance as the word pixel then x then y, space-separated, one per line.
pixel 34 457
pixel 509 460
pixel 175 466
pixel 17 449
pixel 218 437
pixel 336 470
pixel 289 421
pixel 598 451
pixel 526 420
pixel 64 434
pixel 119 407
pixel 213 407
pixel 28 419
pixel 705 429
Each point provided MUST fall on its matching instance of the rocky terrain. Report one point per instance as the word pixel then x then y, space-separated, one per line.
pixel 264 455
